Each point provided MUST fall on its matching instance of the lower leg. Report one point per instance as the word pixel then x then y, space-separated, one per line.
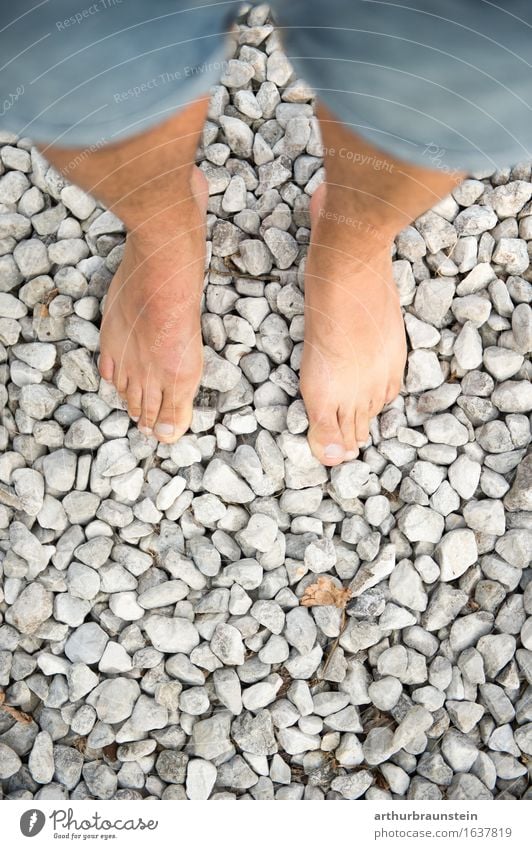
pixel 355 347
pixel 150 335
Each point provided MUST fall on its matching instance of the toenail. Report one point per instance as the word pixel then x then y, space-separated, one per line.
pixel 350 455
pixel 333 451
pixel 147 431
pixel 134 418
pixel 162 429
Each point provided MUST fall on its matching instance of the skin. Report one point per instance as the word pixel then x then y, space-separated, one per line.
pixel 355 349
pixel 150 339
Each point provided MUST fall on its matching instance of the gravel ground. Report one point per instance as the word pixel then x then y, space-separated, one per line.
pixel 151 622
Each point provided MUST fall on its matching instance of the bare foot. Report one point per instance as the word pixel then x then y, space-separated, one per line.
pixel 355 348
pixel 151 346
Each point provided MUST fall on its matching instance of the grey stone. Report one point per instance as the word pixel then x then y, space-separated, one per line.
pixel 445 428
pixel 227 645
pixel 421 524
pixel 353 786
pixel 222 480
pixel 10 762
pixel 210 737
pixel 114 699
pixel 41 759
pixel 171 634
pixel 31 608
pixel 86 644
pixel 31 258
pixel 201 778
pixel 520 495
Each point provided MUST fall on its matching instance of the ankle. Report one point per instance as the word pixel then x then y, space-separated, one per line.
pixel 347 234
pixel 339 227
pixel 357 216
pixel 172 206
pixel 181 219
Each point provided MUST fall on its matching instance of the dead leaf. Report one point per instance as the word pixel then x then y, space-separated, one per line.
pixel 80 743
pixel 324 591
pixel 380 781
pixel 19 715
pixel 50 296
pixel 110 751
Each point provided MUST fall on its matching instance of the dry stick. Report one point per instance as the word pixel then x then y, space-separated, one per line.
pixel 324 592
pixel 19 715
pixel 343 623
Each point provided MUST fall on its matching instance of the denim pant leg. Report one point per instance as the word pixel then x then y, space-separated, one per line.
pixel 97 73
pixel 434 82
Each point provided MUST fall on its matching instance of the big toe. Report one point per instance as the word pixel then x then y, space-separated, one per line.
pixel 174 417
pixel 325 438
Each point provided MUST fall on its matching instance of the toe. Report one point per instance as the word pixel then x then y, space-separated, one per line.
pixel 106 366
pixel 346 420
pixel 325 438
pixel 120 380
pixel 134 400
pixel 376 405
pixel 151 404
pixel 174 417
pixel 362 426
pixel 392 392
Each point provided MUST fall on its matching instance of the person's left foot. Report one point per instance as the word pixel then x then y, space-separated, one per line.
pixel 355 347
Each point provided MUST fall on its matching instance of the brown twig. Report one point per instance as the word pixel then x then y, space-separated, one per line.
pixel 19 715
pixel 343 623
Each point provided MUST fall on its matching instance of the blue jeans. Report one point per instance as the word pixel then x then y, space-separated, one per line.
pixel 440 83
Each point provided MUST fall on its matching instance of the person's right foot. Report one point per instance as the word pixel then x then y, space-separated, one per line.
pixel 150 342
